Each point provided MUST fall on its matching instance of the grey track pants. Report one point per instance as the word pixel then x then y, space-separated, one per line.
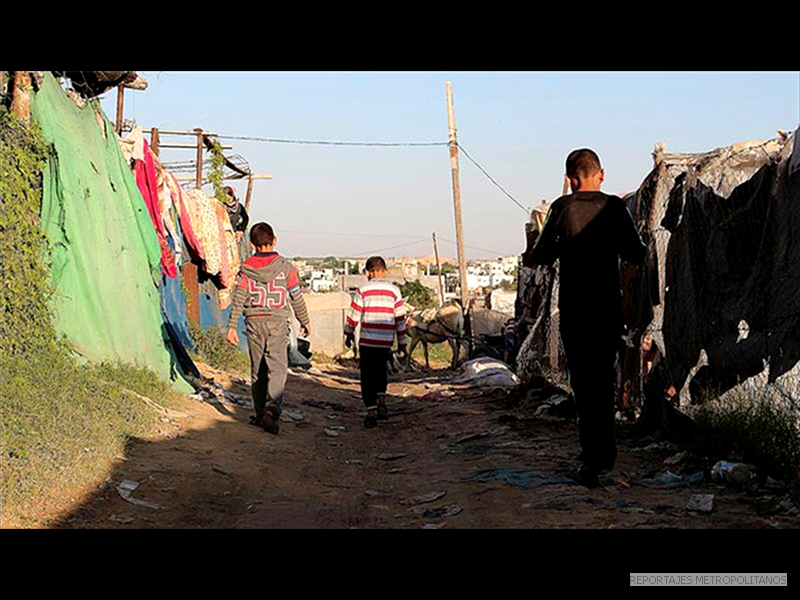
pixel 268 340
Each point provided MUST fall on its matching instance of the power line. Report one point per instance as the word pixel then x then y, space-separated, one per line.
pixel 502 189
pixel 368 252
pixel 495 252
pixel 330 143
pixel 360 235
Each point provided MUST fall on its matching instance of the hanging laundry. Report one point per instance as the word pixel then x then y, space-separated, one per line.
pixel 145 173
pixel 178 197
pixel 230 257
pixel 205 224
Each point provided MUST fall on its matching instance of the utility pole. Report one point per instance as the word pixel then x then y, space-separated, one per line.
pixel 462 259
pixel 438 268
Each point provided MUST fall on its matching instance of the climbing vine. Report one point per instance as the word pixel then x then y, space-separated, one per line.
pixel 25 324
pixel 217 173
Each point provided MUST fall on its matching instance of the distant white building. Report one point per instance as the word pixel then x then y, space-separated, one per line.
pixel 324 280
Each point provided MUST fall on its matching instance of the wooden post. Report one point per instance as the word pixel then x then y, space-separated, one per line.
pixel 199 178
pixel 120 107
pixel 249 194
pixel 190 271
pixel 155 141
pixel 438 268
pixel 462 259
pixel 21 99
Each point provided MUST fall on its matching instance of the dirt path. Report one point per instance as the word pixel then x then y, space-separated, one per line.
pixel 463 461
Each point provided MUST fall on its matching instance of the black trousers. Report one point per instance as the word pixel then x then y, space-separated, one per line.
pixel 374 374
pixel 591 353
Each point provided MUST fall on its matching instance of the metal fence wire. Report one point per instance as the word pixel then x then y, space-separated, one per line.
pixel 715 308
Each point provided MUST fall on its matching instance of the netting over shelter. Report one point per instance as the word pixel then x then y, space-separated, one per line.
pixel 717 303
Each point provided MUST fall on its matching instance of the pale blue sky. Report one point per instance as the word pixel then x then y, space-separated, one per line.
pixel 519 125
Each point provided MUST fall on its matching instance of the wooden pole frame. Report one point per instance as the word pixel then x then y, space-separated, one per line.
pixel 120 108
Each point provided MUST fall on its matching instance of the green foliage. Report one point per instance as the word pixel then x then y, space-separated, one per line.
pixel 25 327
pixel 217 173
pixel 212 348
pixel 419 296
pixel 756 428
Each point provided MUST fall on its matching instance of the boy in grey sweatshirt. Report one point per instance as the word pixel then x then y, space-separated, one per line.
pixel 267 285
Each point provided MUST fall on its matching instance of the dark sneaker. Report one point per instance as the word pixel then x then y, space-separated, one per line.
pixel 586 476
pixel 371 421
pixel 256 420
pixel 270 422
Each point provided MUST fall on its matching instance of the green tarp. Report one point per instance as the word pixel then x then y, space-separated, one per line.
pixel 105 255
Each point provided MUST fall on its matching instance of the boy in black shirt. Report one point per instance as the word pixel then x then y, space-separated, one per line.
pixel 589 232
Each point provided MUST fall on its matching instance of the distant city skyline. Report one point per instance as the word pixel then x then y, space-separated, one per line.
pixel 518 126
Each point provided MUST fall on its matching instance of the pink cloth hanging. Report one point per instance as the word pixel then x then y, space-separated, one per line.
pixel 145 173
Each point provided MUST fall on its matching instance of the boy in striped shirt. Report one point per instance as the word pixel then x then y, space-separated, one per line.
pixel 380 309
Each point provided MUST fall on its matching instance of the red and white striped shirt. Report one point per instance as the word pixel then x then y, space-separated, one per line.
pixel 380 309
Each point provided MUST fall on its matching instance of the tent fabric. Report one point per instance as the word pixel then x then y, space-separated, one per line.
pixel 725 227
pixel 105 256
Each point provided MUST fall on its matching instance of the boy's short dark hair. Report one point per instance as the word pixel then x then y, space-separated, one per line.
pixel 583 163
pixel 262 235
pixel 376 263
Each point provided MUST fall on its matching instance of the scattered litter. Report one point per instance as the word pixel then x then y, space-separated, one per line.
pixel 126 488
pixel 315 371
pixel 701 503
pixel 658 446
pixel 355 461
pixel 730 472
pixel 389 457
pixel 698 477
pixel 237 399
pixel 324 404
pixel 433 526
pixel 487 372
pixel 774 484
pixel 787 505
pixel 558 406
pixel 677 459
pixel 122 519
pixel 396 471
pixel 292 416
pixel 373 493
pixel 516 477
pixel 331 433
pixel 669 478
pixel 425 499
pixel 433 396
pixel 445 512
pixel 637 509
